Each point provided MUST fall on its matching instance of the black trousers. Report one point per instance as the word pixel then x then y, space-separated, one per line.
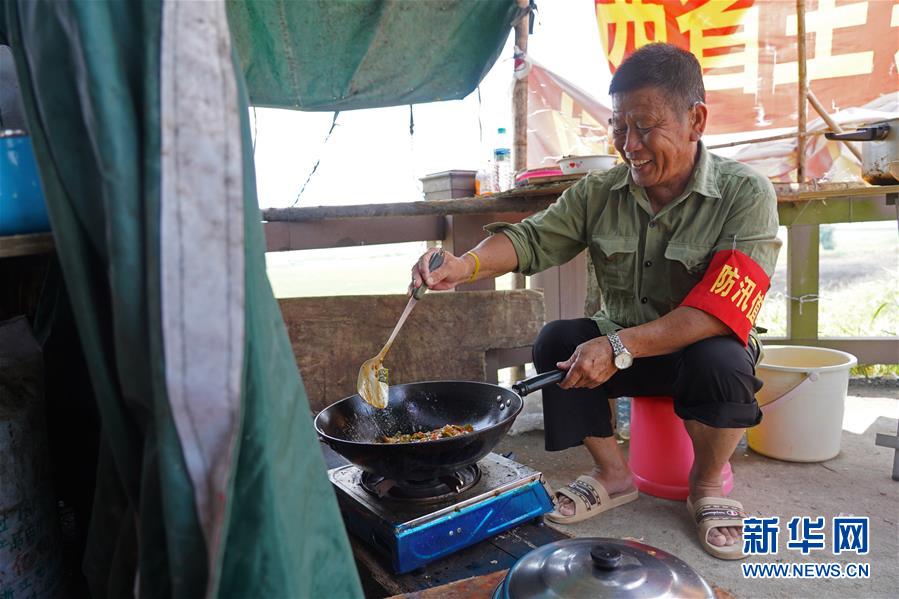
pixel 712 381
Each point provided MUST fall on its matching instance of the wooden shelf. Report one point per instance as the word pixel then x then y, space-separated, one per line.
pixel 844 191
pixel 26 245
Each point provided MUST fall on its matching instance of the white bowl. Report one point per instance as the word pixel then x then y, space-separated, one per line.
pixel 571 165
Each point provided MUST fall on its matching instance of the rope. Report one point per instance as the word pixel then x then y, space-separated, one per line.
pixel 806 298
pixel 318 161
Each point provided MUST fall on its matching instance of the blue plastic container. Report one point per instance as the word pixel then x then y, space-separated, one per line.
pixel 22 208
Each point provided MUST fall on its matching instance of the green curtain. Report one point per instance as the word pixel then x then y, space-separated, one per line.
pixel 90 75
pixel 107 89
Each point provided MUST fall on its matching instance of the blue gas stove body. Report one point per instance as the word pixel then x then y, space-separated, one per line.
pixel 410 535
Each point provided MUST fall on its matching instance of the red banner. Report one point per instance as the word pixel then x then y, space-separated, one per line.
pixel 748 51
pixel 562 119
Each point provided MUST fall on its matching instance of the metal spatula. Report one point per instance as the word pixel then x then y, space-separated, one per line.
pixel 372 380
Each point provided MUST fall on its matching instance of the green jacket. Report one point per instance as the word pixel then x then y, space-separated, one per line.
pixel 646 264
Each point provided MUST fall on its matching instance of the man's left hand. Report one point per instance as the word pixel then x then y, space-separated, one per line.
pixel 591 364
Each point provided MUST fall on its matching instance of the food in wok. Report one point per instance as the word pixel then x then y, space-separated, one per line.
pixel 449 430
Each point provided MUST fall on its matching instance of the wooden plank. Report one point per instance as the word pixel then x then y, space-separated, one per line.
pixel 564 288
pixel 504 358
pixel 868 350
pixel 26 245
pixel 304 235
pixel 521 200
pixel 792 193
pixel 802 281
pixel 476 587
pixel 530 199
pixel 332 336
pixel 835 210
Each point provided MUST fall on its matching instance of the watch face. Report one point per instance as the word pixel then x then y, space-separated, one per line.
pixel 623 361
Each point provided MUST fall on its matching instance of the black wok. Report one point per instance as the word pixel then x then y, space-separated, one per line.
pixel 352 427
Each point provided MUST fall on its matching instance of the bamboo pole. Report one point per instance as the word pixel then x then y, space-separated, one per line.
pixel 803 89
pixel 819 108
pixel 520 93
pixel 744 142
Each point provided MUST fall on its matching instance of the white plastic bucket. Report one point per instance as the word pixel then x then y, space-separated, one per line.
pixel 802 402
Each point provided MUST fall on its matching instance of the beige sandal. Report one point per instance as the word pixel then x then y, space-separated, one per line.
pixel 590 499
pixel 717 512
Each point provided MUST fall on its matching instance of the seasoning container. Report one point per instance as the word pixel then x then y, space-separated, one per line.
pixel 22 208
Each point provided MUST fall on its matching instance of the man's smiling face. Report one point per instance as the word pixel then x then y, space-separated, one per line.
pixel 656 139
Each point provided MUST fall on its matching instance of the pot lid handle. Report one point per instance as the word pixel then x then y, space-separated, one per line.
pixel 605 557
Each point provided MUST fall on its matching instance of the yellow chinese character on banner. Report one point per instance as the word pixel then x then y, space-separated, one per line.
pixel 825 64
pixel 755 307
pixel 894 22
pixel 621 14
pixel 725 281
pixel 741 296
pixel 705 25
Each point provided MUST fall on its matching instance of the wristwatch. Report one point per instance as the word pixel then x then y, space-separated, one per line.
pixel 623 358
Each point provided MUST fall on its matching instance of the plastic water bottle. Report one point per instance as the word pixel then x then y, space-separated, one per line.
pixel 502 161
pixel 623 418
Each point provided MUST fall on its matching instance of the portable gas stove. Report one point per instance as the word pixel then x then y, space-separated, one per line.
pixel 413 523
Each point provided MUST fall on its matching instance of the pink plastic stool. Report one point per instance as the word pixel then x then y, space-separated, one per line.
pixel 661 452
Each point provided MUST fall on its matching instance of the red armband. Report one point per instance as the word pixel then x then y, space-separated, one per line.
pixel 732 291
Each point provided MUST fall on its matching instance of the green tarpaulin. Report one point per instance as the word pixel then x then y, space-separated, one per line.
pixel 210 481
pixel 345 54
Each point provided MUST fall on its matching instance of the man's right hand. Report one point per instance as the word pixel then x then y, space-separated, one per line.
pixel 452 272
pixel 495 256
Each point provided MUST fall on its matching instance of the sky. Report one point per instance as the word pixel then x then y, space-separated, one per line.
pixel 371 158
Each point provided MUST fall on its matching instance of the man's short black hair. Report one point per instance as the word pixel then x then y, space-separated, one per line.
pixel 666 67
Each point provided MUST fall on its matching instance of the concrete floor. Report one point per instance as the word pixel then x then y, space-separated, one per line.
pixel 857 482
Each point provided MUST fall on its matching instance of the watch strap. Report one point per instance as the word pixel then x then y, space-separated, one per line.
pixel 617 345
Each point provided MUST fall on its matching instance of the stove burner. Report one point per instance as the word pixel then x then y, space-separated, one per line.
pixel 423 491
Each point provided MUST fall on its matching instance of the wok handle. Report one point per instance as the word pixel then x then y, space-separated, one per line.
pixel 540 381
pixel 875 133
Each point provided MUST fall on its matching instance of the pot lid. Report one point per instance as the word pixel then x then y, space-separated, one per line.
pixel 601 567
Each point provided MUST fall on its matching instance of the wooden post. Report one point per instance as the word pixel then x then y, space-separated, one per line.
pixel 520 116
pixel 520 109
pixel 803 89
pixel 802 281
